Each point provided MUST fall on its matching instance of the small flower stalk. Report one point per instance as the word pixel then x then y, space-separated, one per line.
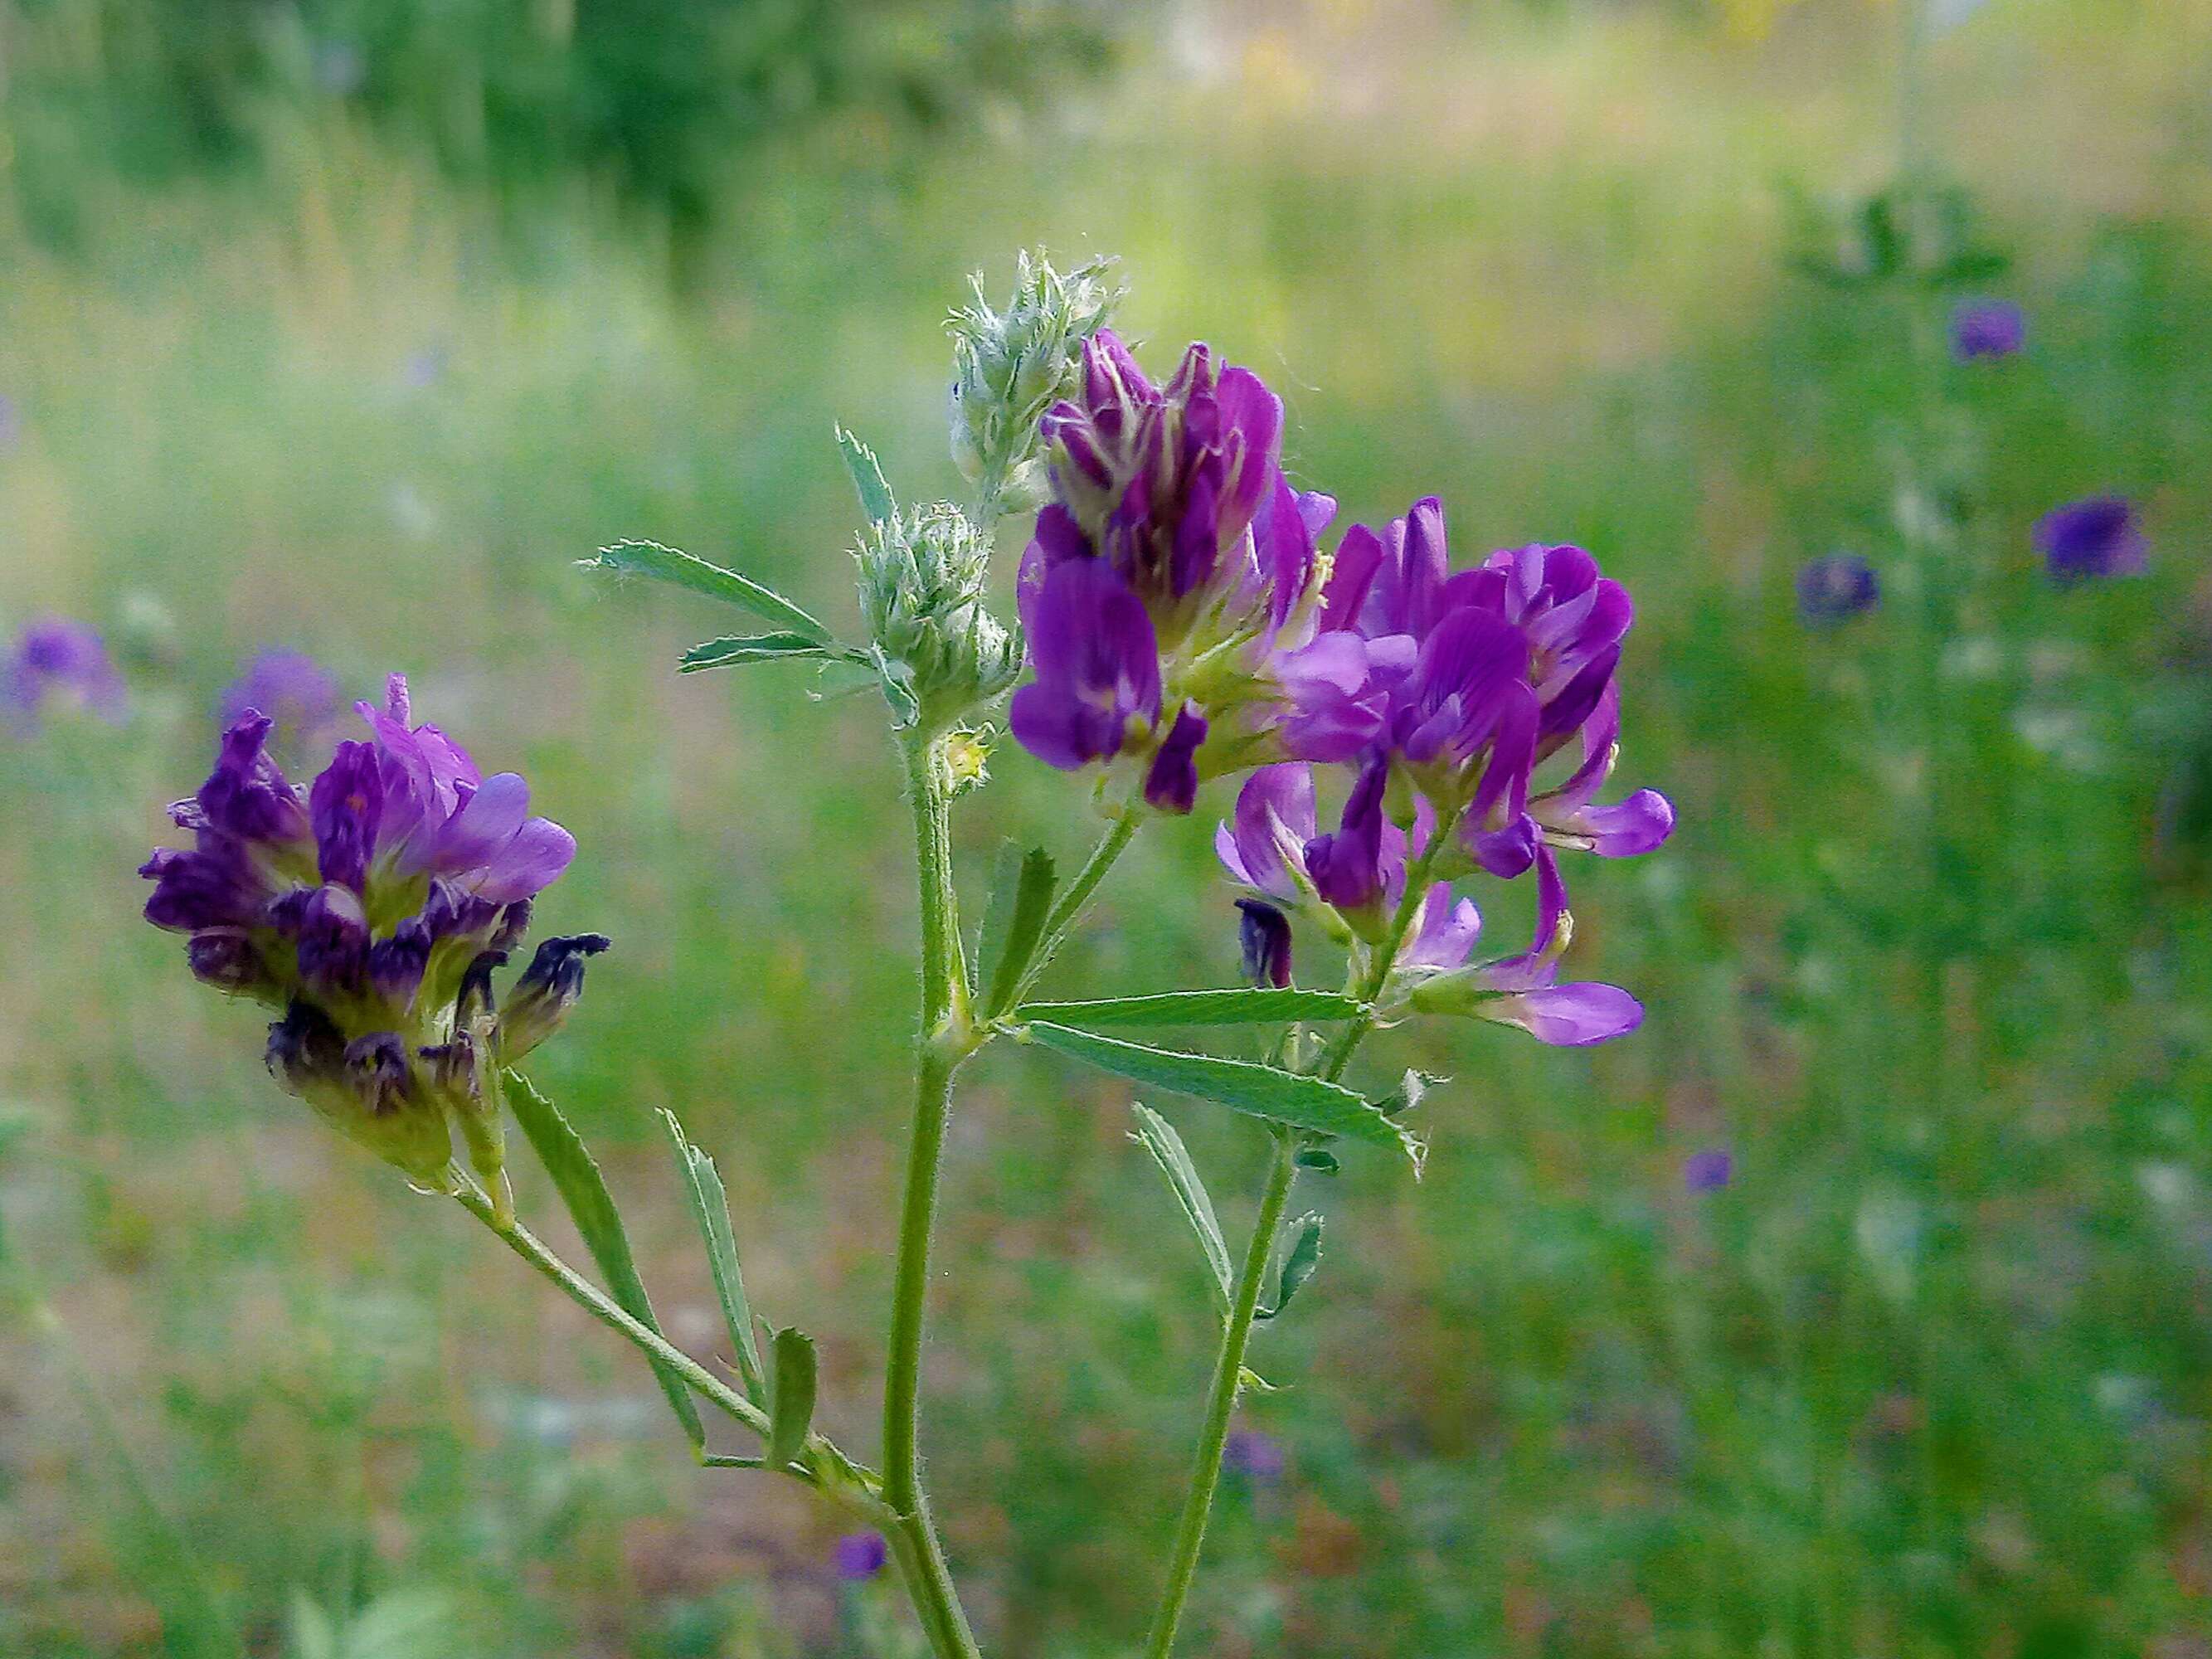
pixel 371 910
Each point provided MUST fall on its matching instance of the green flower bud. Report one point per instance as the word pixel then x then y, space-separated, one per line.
pixel 923 576
pixel 1010 367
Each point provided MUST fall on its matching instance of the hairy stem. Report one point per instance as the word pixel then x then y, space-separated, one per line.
pixel 1236 1332
pixel 939 1044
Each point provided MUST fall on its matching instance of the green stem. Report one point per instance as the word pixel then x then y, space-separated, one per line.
pixel 941 1042
pixel 1221 1399
pixel 603 1308
pixel 1236 1333
pixel 1069 910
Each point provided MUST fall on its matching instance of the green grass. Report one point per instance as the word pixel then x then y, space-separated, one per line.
pixel 1927 1378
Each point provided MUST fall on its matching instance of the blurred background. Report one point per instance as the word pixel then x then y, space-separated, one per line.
pixel 1860 1306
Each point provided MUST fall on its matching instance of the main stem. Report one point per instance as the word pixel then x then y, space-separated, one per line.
pixel 1236 1333
pixel 940 1043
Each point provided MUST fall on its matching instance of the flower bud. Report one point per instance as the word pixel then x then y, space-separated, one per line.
pixel 547 989
pixel 923 577
pixel 1264 934
pixel 1009 367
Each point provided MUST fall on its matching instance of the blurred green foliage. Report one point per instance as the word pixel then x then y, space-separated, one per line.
pixel 1929 1377
pixel 663 102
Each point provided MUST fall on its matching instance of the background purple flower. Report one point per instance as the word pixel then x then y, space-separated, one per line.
pixel 859 1555
pixel 291 688
pixel 56 660
pixel 1256 1454
pixel 1987 328
pixel 1836 588
pixel 2089 539
pixel 1708 1170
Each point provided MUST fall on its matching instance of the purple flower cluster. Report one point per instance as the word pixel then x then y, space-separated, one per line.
pixel 1158 591
pixel 53 661
pixel 371 907
pixel 1181 616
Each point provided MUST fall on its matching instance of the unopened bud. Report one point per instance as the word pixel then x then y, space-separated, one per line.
pixel 1009 367
pixel 923 586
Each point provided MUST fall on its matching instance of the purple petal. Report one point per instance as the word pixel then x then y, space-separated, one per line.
pixel 1171 782
pixel 1276 805
pixel 1568 1016
pixel 1447 932
pixel 1635 825
pixel 529 863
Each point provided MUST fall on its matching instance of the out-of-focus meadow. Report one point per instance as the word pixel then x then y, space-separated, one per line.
pixel 1927 955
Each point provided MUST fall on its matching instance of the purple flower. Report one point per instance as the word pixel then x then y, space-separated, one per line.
pixel 291 688
pixel 1836 588
pixel 1350 870
pixel 56 661
pixel 1256 1454
pixel 1263 934
pixel 1163 587
pixel 1566 816
pixel 1708 1170
pixel 1265 849
pixel 2088 539
pixel 371 907
pixel 1523 991
pixel 1987 328
pixel 1097 666
pixel 859 1555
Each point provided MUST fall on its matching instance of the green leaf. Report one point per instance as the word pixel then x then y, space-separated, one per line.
pixel 1303 1103
pixel 790 1412
pixel 1298 1265
pixel 1412 1089
pixel 1013 924
pixel 1237 1005
pixel 666 564
pixel 583 1190
pixel 710 1208
pixel 734 650
pixel 897 682
pixel 1157 1136
pixel 1319 1159
pixel 868 477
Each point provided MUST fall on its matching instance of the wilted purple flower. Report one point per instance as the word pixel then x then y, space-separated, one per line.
pixel 2088 539
pixel 371 909
pixel 1263 934
pixel 1708 1170
pixel 291 688
pixel 1836 588
pixel 56 661
pixel 1987 328
pixel 1256 1454
pixel 1163 589
pixel 859 1555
